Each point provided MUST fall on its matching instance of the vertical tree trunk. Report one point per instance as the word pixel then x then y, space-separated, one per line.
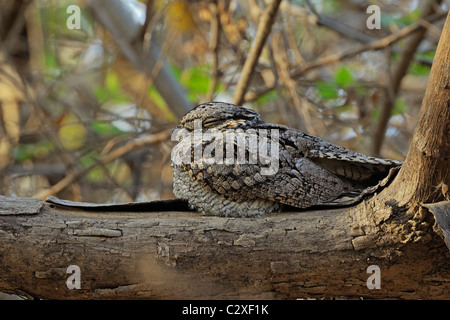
pixel 426 167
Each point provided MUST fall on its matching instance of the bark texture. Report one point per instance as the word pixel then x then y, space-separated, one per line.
pixel 426 167
pixel 182 255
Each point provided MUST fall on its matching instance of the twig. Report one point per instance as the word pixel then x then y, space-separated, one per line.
pixel 377 45
pixel 339 27
pixel 214 47
pixel 334 58
pixel 117 153
pixel 114 181
pixel 400 72
pixel 281 62
pixel 289 33
pixel 116 15
pixel 264 28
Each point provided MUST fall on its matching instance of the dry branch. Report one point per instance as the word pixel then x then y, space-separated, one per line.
pixel 115 154
pixel 264 28
pixel 338 57
pixel 115 16
pixel 214 47
pixel 281 63
pixel 400 71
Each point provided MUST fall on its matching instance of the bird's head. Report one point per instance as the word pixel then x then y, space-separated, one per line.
pixel 220 115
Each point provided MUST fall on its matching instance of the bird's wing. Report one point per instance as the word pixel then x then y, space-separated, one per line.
pixel 339 160
pixel 352 165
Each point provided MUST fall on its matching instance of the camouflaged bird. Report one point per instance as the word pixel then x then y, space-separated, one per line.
pixel 229 162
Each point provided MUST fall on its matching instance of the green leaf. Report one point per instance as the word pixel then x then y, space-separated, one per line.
pixel 399 108
pixel 399 20
pixel 419 69
pixel 50 61
pixel 160 103
pixel 196 80
pixel 88 159
pixel 426 55
pixel 112 82
pixel 408 18
pixel 387 19
pixel 267 97
pixel 101 94
pixel 24 152
pixel 154 95
pixel 326 90
pixel 96 174
pixel 343 77
pixel 105 128
pixel 111 89
pixel 343 108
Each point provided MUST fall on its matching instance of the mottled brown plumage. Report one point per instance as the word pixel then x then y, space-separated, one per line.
pixel 294 169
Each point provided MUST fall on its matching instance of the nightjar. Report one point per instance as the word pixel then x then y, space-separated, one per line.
pixel 229 162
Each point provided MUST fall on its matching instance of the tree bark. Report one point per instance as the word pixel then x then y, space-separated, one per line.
pixel 426 168
pixel 182 255
pixel 398 75
pixel 308 254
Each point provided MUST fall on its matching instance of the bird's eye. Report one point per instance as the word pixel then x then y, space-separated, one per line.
pixel 210 122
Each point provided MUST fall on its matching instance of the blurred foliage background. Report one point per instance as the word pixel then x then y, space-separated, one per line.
pixel 82 120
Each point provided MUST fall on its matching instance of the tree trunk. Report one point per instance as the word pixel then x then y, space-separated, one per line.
pixel 427 168
pixel 289 255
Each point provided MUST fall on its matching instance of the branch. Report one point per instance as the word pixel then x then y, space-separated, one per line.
pixel 115 154
pixel 117 17
pixel 376 45
pixel 282 65
pixel 399 73
pixel 264 28
pixel 339 27
pixel 182 255
pixel 335 58
pixel 427 164
pixel 214 47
